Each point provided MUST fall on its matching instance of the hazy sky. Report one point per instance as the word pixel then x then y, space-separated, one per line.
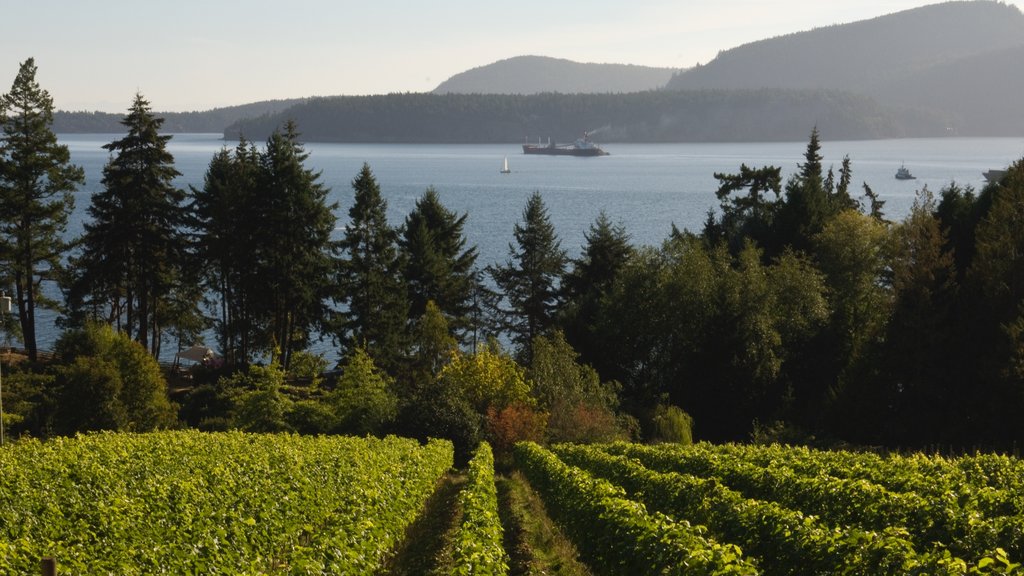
pixel 201 54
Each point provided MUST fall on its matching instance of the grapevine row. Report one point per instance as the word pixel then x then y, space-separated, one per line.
pixel 928 520
pixel 189 502
pixel 478 543
pixel 618 535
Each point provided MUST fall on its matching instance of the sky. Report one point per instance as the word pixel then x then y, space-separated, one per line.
pixel 201 54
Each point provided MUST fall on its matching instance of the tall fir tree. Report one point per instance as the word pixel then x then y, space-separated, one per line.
pixel 530 278
pixel 806 206
pixel 293 240
pixel 37 179
pixel 225 223
pixel 370 283
pixel 133 249
pixel 436 264
pixel 605 254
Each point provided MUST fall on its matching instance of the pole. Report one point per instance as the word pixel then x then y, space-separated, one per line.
pixel 48 566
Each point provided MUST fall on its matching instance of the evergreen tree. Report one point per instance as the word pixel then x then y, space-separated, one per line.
pixel 225 220
pixel 36 182
pixel 917 366
pixel 436 264
pixel 295 252
pixel 995 321
pixel 806 206
pixel 130 268
pixel 370 280
pixel 606 252
pixel 530 277
pixel 750 216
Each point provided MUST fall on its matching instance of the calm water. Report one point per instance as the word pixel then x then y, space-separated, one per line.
pixel 646 187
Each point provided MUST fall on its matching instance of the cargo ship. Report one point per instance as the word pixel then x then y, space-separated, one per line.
pixel 581 147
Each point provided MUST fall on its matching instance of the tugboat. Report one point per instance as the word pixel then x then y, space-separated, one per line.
pixel 904 174
pixel 581 147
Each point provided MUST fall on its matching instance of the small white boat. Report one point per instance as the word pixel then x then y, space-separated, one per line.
pixel 504 167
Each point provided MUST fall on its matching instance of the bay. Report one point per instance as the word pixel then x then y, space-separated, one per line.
pixel 648 188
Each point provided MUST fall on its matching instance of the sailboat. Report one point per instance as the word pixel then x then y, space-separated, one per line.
pixel 504 167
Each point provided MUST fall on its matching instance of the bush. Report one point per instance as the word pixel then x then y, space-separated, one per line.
pixel 583 423
pixel 511 424
pixel 670 424
pixel 107 371
pixel 363 400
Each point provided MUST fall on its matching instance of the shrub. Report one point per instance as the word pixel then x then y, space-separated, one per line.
pixel 671 424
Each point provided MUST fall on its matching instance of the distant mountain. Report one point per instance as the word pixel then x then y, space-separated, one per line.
pixel 208 121
pixel 537 74
pixel 652 116
pixel 946 57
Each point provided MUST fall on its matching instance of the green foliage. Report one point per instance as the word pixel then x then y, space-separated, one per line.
pixel 132 260
pixel 37 180
pixel 617 535
pixel 364 400
pixel 436 265
pixel 28 400
pixel 370 281
pixel 307 365
pixel 530 278
pixel 837 510
pixel 198 503
pixel 108 371
pixel 255 400
pixel 478 539
pixel 671 424
pixel 586 284
pixel 581 408
pixel 488 378
pixel 265 248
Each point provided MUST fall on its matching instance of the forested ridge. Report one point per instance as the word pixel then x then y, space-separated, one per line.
pixel 799 311
pixel 653 116
pixel 538 74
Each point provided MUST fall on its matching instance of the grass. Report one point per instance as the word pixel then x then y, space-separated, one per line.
pixel 422 551
pixel 534 543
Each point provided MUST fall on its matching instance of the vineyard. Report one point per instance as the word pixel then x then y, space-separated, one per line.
pixel 233 503
pixel 196 503
pixel 790 511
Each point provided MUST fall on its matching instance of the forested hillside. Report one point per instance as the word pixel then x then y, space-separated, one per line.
pixel 536 74
pixel 654 116
pixel 959 58
pixel 207 121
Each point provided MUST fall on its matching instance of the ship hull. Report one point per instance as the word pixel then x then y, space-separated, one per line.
pixel 562 151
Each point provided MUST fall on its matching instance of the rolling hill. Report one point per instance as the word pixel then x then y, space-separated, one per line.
pixel 537 74
pixel 174 122
pixel 946 57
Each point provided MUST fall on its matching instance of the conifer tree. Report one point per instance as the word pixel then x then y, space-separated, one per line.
pixel 606 252
pixel 370 282
pixel 36 182
pixel 436 265
pixel 225 222
pixel 130 268
pixel 296 254
pixel 530 277
pixel 806 206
